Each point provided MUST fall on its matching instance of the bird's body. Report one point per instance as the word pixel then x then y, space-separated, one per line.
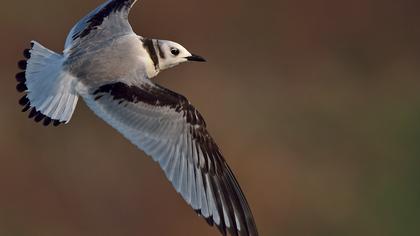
pixel 110 67
pixel 123 58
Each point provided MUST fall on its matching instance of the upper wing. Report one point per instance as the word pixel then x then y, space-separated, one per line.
pixel 107 20
pixel 169 129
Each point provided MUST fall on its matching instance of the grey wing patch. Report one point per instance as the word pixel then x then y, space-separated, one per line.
pixel 119 8
pixel 190 159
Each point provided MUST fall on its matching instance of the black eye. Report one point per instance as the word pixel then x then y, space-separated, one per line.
pixel 175 51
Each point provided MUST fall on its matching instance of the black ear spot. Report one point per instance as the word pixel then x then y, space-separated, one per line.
pixel 175 51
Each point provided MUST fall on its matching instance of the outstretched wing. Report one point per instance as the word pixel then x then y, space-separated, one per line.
pixel 169 129
pixel 108 20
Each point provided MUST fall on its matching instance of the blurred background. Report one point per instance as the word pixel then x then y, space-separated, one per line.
pixel 315 105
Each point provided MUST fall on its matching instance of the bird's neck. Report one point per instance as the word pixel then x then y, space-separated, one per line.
pixel 151 56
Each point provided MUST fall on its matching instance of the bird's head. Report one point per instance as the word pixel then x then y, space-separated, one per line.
pixel 171 54
pixel 164 54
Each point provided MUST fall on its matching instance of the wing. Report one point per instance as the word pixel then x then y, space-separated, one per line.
pixel 108 20
pixel 169 129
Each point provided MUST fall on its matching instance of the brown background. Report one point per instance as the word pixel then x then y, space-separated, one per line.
pixel 315 105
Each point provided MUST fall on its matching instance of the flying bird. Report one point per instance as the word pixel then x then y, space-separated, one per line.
pixel 111 68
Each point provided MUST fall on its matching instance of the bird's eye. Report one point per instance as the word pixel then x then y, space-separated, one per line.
pixel 175 51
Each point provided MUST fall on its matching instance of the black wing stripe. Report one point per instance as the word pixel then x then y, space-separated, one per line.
pixel 96 19
pixel 151 95
pixel 218 197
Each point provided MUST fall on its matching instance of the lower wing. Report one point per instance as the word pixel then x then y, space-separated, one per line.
pixel 169 129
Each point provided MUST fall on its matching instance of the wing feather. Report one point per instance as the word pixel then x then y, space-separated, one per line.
pixel 169 129
pixel 108 20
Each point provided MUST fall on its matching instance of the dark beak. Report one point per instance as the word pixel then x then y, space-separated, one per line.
pixel 195 58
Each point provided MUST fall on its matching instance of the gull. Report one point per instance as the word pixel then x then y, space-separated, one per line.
pixel 111 68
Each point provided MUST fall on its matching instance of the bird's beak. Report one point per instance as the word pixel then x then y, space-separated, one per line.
pixel 195 58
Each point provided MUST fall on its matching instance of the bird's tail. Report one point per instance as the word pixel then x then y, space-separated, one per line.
pixel 50 92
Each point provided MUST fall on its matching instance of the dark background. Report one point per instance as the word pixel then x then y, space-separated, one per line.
pixel 315 105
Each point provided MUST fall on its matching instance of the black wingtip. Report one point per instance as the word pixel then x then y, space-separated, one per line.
pixel 21 87
pixel 39 117
pixel 20 77
pixel 57 122
pixel 22 64
pixel 24 101
pixel 26 108
pixel 47 121
pixel 32 113
pixel 27 53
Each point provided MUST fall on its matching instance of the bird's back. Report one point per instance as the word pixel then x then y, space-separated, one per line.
pixel 121 58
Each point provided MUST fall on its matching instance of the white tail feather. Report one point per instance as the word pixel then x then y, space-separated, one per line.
pixel 50 90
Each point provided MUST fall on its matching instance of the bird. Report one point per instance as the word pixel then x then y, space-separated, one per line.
pixel 112 69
